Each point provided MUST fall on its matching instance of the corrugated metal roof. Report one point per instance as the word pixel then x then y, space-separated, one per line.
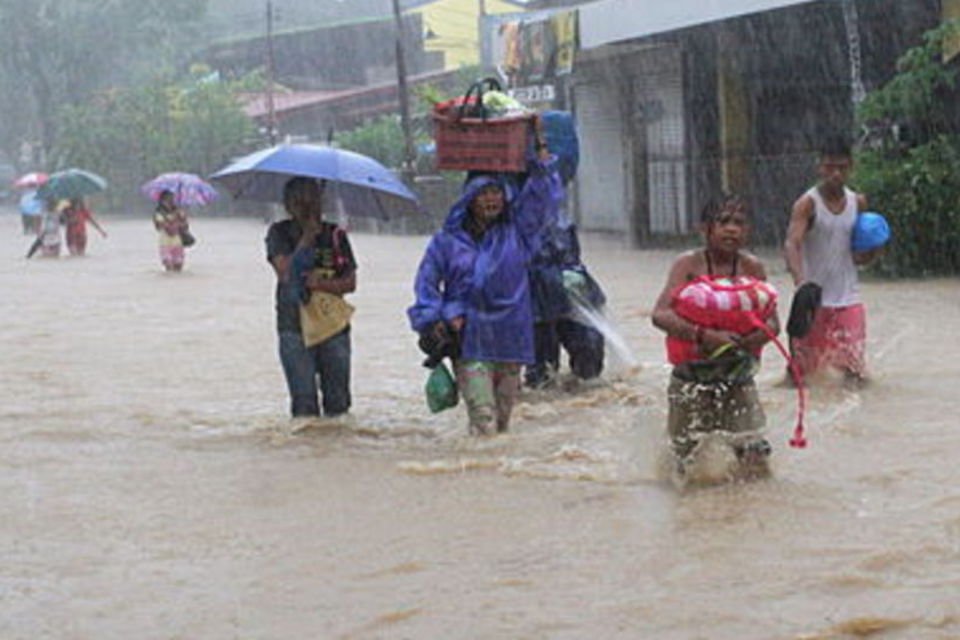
pixel 609 21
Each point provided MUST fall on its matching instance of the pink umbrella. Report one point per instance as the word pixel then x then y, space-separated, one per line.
pixel 189 190
pixel 31 180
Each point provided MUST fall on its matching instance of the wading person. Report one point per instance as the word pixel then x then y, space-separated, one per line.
pixel 48 238
pixel 473 282
pixel 170 221
pixel 31 212
pixel 818 252
pixel 711 308
pixel 76 217
pixel 312 260
pixel 560 286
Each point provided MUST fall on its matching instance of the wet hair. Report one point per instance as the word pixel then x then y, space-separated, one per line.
pixel 836 147
pixel 711 211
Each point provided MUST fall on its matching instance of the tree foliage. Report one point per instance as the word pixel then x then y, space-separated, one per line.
pixel 60 52
pixel 908 168
pixel 381 139
pixel 130 135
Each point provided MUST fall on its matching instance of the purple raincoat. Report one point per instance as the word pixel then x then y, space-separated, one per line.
pixel 486 282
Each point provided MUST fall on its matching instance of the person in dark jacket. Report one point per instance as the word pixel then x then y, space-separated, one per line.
pixel 562 288
pixel 473 282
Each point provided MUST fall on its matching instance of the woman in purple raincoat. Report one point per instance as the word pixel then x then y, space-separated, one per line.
pixel 472 285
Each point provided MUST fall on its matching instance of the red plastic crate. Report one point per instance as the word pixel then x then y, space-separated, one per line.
pixel 495 144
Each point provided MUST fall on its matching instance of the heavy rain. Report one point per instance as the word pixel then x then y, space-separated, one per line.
pixel 619 319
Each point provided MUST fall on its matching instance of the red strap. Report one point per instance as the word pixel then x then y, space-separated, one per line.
pixel 799 440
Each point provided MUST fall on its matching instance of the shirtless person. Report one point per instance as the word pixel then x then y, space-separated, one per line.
pixel 709 392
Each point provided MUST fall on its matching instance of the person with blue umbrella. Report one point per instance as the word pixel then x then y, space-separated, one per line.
pixel 315 268
pixel 312 258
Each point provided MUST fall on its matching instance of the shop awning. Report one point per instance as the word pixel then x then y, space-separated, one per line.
pixel 609 21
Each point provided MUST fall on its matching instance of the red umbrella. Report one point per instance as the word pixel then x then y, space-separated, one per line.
pixel 31 180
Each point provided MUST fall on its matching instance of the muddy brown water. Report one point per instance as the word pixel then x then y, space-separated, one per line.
pixel 152 487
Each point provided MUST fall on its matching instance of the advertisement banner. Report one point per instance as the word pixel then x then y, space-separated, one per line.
pixel 533 49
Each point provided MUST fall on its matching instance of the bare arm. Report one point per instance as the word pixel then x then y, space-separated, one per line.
pixel 864 258
pixel 800 219
pixel 337 286
pixel 281 266
pixel 667 320
pixel 663 316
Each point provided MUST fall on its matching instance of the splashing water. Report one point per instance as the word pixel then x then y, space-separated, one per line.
pixel 586 313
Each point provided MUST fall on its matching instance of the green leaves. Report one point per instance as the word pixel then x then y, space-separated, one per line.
pixel 62 52
pixel 909 172
pixel 130 135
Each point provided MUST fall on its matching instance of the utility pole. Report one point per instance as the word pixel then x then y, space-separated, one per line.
pixel 481 43
pixel 271 112
pixel 409 158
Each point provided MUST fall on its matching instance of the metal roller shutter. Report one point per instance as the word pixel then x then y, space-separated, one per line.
pixel 601 183
pixel 659 88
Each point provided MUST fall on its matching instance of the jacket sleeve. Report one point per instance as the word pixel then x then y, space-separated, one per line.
pixel 538 204
pixel 428 309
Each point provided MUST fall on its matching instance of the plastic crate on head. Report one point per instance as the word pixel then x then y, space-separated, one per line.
pixel 498 144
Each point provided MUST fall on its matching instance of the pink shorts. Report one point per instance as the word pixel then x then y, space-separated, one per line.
pixel 171 256
pixel 836 339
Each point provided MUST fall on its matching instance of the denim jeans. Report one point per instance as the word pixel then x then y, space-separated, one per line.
pixel 329 360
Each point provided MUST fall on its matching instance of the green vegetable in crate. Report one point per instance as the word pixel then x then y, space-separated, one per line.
pixel 499 103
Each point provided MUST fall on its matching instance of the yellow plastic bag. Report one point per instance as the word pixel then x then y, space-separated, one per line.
pixel 324 316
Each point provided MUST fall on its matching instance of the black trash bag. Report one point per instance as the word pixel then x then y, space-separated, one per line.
pixel 438 345
pixel 806 301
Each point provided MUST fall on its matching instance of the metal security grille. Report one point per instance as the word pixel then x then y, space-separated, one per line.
pixel 658 95
pixel 601 180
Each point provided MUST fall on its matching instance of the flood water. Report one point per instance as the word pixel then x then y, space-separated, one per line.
pixel 152 486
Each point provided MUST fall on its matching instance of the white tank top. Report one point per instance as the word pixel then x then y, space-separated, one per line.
pixel 827 257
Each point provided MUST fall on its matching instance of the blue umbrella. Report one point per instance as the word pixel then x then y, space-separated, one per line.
pixel 364 186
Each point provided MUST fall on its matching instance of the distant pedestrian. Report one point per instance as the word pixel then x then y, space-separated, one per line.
pixel 31 212
pixel 170 222
pixel 48 240
pixel 76 217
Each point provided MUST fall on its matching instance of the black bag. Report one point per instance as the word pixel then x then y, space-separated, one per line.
pixel 437 347
pixel 187 238
pixel 806 301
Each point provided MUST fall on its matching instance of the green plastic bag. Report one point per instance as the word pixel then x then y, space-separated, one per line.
pixel 441 389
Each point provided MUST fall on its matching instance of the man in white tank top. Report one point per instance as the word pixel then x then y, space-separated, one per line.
pixel 818 250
